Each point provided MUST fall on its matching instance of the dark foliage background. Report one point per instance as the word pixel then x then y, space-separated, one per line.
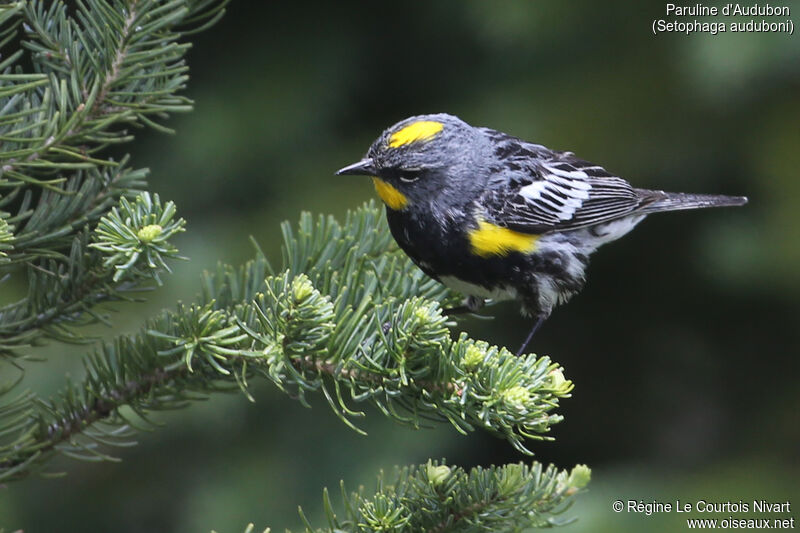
pixel 683 347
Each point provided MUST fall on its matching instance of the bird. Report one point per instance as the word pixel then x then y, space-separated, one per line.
pixel 498 218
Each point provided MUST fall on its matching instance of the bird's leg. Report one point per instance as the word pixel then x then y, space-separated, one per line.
pixel 539 322
pixel 470 305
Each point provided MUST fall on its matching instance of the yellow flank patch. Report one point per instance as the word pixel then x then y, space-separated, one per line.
pixel 390 196
pixel 489 239
pixel 422 130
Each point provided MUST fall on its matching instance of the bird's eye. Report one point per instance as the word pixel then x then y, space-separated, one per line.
pixel 409 175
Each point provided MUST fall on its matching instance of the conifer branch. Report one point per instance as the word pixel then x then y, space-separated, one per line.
pixel 375 335
pixel 98 70
pixel 438 498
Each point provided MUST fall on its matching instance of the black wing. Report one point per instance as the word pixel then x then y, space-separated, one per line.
pixel 539 190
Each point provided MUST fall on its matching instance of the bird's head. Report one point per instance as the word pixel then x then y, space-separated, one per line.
pixel 418 158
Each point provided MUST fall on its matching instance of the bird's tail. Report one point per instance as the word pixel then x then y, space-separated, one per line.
pixel 675 201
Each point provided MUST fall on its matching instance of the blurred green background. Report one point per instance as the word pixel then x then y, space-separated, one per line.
pixel 684 345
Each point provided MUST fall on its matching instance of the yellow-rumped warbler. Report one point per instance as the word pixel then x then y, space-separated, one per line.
pixel 493 216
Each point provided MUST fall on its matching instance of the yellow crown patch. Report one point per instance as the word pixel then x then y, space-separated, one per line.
pixel 422 130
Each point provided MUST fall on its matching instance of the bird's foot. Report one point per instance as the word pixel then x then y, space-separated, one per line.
pixel 536 325
pixel 471 305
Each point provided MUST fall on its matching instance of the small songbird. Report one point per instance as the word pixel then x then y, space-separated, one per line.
pixel 496 217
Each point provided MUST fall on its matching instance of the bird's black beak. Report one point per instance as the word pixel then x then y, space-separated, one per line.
pixel 365 167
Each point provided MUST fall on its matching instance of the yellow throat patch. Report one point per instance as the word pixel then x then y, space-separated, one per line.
pixel 422 130
pixel 488 239
pixel 390 196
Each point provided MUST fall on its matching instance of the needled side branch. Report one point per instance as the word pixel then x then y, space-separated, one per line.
pixel 128 248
